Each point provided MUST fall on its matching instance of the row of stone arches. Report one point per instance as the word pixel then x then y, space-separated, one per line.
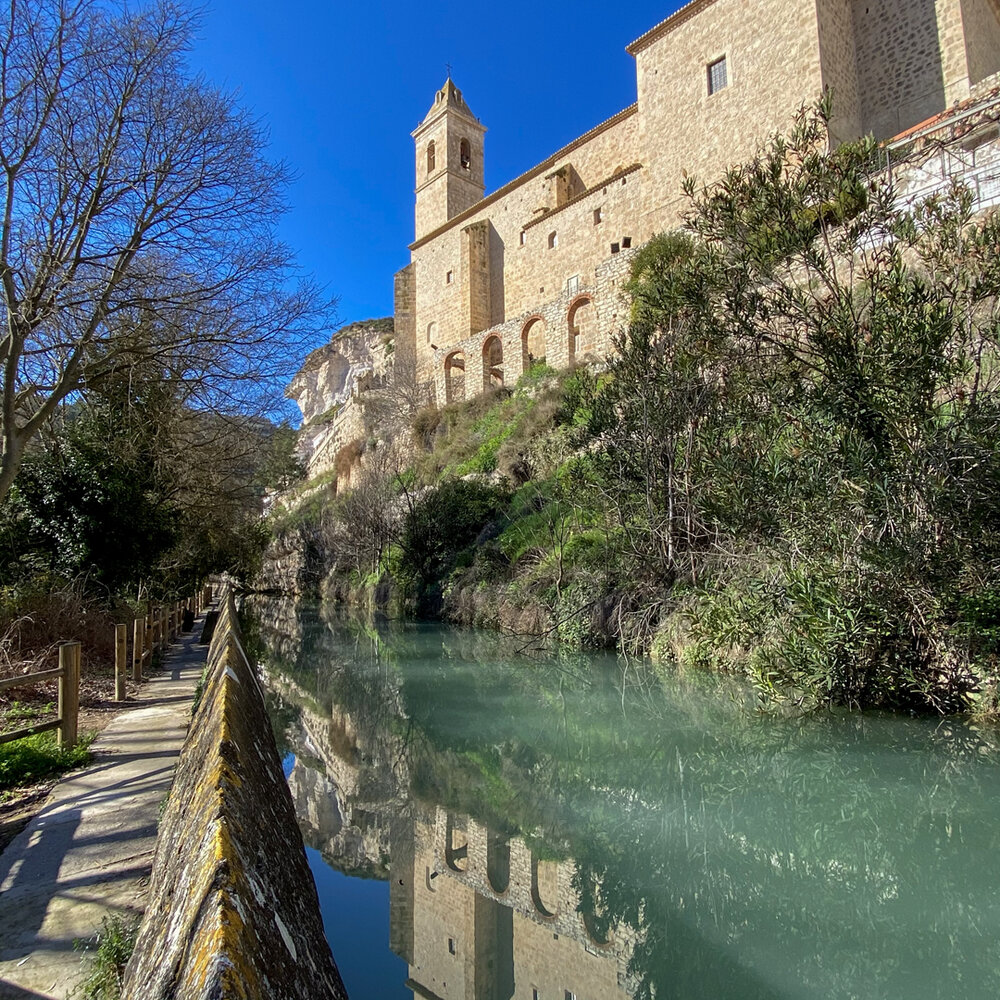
pixel 545 894
pixel 580 338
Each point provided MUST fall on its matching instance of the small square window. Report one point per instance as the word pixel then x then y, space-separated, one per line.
pixel 626 242
pixel 718 76
pixel 598 216
pixel 615 247
pixel 449 277
pixel 524 237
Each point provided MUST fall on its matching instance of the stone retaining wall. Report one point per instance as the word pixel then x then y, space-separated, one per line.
pixel 232 910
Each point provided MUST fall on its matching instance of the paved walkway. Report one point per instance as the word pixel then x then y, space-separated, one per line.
pixel 89 852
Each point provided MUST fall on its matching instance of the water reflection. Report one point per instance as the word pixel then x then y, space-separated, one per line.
pixel 553 827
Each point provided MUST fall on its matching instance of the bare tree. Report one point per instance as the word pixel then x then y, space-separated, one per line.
pixel 138 217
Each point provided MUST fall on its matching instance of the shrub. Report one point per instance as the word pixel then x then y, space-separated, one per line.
pixel 445 521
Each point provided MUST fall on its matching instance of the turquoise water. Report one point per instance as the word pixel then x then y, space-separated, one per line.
pixel 502 823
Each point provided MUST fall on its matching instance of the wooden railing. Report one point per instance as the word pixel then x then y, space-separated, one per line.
pixel 150 634
pixel 68 673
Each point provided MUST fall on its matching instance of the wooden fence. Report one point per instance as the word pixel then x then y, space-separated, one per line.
pixel 150 634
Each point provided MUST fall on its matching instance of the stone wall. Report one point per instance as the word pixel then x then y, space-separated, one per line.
pixel 772 66
pixel 232 908
pixel 912 61
pixel 839 66
pixel 981 24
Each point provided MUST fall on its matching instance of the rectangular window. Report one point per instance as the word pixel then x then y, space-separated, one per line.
pixel 451 946
pixel 524 238
pixel 598 216
pixel 718 76
pixel 449 277
pixel 573 284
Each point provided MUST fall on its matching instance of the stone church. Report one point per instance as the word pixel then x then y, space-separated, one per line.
pixel 533 270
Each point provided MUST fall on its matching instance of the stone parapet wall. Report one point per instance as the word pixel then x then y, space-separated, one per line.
pixel 232 910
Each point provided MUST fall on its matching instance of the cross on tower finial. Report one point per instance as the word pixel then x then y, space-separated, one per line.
pixel 449 70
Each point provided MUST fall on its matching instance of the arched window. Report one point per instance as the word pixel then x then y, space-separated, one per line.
pixel 492 363
pixel 532 342
pixel 431 332
pixel 465 154
pixel 582 323
pixel 454 377
pixel 430 156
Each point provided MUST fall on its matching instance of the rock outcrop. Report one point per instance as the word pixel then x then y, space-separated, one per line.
pixel 358 358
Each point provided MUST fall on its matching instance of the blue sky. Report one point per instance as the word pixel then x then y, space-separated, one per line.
pixel 341 86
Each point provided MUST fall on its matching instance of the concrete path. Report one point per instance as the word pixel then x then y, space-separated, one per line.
pixel 89 852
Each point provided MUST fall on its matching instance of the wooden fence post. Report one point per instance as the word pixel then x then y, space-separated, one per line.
pixel 69 693
pixel 138 647
pixel 121 658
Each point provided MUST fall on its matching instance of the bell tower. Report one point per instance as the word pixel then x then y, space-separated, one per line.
pixel 449 155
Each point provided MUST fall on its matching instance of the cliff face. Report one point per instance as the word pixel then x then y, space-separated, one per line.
pixel 359 357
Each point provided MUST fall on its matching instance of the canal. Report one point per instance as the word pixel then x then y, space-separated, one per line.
pixel 486 821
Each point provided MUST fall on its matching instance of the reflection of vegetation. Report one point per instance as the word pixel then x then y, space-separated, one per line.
pixel 838 855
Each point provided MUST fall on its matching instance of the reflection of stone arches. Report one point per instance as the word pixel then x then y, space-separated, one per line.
pixel 545 886
pixel 595 919
pixel 456 848
pixel 454 376
pixel 532 342
pixel 498 862
pixel 492 363
pixel 581 321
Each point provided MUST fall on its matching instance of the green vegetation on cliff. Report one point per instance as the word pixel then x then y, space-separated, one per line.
pixel 788 470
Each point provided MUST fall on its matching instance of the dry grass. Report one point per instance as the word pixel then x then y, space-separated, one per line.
pixel 33 622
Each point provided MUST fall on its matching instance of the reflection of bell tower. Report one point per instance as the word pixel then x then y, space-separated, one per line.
pixel 449 152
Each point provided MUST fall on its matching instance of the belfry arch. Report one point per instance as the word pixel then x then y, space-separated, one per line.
pixel 454 377
pixel 492 363
pixel 532 342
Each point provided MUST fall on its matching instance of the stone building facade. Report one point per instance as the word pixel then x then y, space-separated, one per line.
pixel 534 269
